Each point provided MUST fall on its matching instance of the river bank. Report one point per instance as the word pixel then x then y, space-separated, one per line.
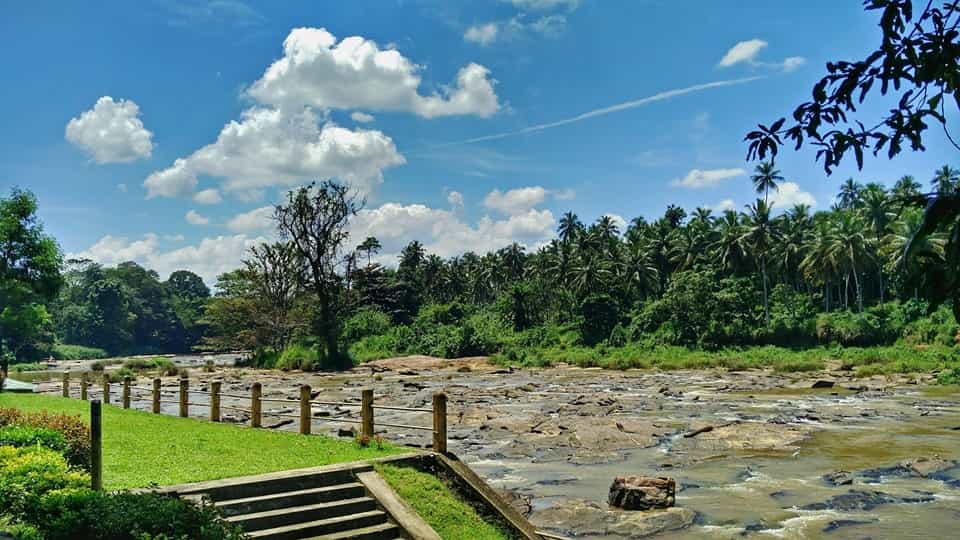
pixel 813 454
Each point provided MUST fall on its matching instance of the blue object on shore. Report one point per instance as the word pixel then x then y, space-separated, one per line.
pixel 11 385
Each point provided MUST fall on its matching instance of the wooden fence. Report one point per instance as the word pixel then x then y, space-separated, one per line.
pixel 256 400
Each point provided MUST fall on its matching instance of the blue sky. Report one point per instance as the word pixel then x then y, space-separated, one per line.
pixel 450 116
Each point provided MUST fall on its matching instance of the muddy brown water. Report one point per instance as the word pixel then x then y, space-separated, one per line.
pixel 553 439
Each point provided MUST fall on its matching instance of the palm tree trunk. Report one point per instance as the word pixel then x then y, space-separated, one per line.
pixel 846 291
pixel 766 305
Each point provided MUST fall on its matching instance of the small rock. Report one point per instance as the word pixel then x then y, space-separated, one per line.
pixel 822 383
pixel 838 523
pixel 694 433
pixel 838 478
pixel 408 372
pixel 280 424
pixel 642 492
pixel 346 432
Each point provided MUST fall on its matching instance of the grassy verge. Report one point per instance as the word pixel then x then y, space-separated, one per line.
pixel 452 518
pixel 142 449
pixel 861 361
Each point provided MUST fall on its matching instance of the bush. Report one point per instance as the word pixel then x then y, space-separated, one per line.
pixel 62 351
pixel 74 431
pixel 26 436
pixel 375 348
pixel 26 474
pixel 298 356
pixel 849 329
pixel 364 323
pixel 127 516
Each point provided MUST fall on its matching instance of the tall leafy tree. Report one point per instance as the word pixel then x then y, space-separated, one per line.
pixel 30 263
pixel 314 219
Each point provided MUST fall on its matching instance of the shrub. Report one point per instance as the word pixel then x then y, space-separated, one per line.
pixel 20 368
pixel 949 376
pixel 364 323
pixel 375 348
pixel 127 516
pixel 849 329
pixel 62 351
pixel 26 474
pixel 298 356
pixel 74 431
pixel 26 436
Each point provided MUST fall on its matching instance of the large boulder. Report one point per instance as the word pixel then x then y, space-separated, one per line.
pixel 642 492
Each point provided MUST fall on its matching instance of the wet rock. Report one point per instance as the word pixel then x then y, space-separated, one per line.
pixel 408 372
pixel 840 523
pixel 694 433
pixel 642 492
pixel 346 432
pixel 822 383
pixel 838 478
pixel 520 502
pixel 584 518
pixel 280 423
pixel 865 500
pixel 414 385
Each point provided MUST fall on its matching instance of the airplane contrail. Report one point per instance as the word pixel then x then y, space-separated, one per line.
pixel 607 110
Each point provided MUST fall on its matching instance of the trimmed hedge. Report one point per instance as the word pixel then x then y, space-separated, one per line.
pixel 74 430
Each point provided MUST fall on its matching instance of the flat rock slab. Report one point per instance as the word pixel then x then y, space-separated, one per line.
pixel 591 519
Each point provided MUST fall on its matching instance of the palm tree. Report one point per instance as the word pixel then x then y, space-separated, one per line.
pixel 849 195
pixel 569 227
pixel 928 254
pixel 760 234
pixel 728 245
pixel 852 247
pixel 876 210
pixel 795 228
pixel 946 180
pixel 765 178
pixel 905 189
pixel 820 263
pixel 639 271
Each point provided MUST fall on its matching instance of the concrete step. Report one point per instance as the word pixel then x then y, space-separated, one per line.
pixel 311 529
pixel 271 483
pixel 287 499
pixel 271 519
pixel 385 531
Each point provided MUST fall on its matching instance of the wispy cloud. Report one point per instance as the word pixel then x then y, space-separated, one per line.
pixel 662 96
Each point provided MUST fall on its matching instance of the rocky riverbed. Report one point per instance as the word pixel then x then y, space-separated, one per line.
pixel 754 453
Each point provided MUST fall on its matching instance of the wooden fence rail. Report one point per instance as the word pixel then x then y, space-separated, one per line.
pixel 305 404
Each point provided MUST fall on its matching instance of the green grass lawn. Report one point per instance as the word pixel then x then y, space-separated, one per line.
pixel 142 449
pixel 452 518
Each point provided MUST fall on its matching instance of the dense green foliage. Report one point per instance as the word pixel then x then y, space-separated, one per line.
pixel 29 279
pixel 43 497
pixel 75 433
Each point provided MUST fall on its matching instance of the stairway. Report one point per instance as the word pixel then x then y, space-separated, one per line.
pixel 324 503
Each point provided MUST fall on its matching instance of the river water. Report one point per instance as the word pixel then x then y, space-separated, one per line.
pixel 751 451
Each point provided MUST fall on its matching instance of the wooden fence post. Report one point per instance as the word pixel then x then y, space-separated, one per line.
pixel 83 386
pixel 96 445
pixel 156 396
pixel 184 397
pixel 215 401
pixel 66 384
pixel 366 413
pixel 440 422
pixel 126 392
pixel 305 409
pixel 106 389
pixel 255 404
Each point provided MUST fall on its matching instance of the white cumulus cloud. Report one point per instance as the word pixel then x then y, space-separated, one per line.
pixel 515 201
pixel 789 194
pixel 455 199
pixel 195 218
pixel 361 117
pixel 724 205
pixel 258 219
pixel 698 178
pixel 744 51
pixel 111 132
pixel 207 196
pixel 442 232
pixel 208 259
pixel 545 5
pixel 279 147
pixel 355 73
pixel 482 34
